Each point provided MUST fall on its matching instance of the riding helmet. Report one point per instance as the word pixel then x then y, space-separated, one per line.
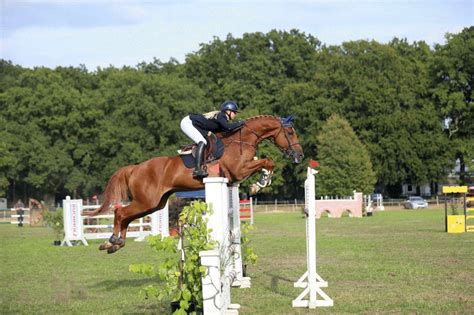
pixel 229 105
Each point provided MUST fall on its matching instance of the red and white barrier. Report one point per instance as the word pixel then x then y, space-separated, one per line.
pixel 246 210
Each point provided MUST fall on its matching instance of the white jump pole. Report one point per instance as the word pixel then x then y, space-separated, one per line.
pixel 220 274
pixel 311 281
pixel 251 210
pixel 236 246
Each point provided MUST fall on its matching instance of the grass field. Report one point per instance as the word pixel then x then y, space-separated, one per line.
pixel 395 262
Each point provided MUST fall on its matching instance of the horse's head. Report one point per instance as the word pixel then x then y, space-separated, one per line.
pixel 279 130
pixel 287 140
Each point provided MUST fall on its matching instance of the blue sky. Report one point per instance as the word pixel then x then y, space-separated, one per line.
pixel 126 32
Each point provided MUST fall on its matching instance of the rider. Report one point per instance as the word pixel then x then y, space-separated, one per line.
pixel 196 127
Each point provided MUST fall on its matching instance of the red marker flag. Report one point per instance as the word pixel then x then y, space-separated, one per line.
pixel 313 163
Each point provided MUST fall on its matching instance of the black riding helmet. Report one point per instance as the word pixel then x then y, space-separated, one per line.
pixel 229 105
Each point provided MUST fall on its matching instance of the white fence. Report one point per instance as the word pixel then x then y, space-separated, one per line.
pixel 79 227
pixel 20 215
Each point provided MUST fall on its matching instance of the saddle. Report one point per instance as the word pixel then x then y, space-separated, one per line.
pixel 213 151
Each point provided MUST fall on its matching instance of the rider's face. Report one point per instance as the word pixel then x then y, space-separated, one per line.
pixel 231 114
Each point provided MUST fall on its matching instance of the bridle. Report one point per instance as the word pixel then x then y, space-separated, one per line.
pixel 288 152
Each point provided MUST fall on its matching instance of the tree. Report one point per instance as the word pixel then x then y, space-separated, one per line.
pixel 383 91
pixel 252 69
pixel 8 160
pixel 66 130
pixel 345 162
pixel 9 74
pixel 452 74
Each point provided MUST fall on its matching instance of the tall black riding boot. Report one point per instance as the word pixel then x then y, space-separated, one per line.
pixel 198 170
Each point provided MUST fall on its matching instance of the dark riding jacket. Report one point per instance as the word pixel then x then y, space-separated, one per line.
pixel 217 124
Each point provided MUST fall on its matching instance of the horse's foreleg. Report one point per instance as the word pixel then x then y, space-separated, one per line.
pixel 266 166
pixel 254 166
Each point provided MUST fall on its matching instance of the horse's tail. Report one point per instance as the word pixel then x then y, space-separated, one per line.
pixel 116 190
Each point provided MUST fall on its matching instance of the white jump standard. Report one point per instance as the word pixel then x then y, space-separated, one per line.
pixel 311 281
pixel 223 263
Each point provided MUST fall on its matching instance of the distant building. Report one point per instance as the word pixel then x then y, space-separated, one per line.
pixel 3 203
pixel 428 190
pixel 414 190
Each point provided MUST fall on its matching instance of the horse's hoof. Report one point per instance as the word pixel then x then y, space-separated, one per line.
pixel 254 189
pixel 113 249
pixel 105 245
pixel 120 242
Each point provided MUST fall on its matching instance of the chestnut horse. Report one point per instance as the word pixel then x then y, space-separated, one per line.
pixel 150 183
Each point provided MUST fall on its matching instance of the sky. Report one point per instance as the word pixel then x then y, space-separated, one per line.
pixel 100 33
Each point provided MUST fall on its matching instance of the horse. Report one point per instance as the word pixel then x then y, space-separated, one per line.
pixel 150 183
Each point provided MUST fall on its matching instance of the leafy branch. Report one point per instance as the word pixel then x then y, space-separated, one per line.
pixel 181 272
pixel 248 255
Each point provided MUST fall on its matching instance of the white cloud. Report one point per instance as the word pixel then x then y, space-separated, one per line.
pixel 135 31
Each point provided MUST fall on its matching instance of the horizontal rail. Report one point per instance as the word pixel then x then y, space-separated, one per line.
pixel 109 226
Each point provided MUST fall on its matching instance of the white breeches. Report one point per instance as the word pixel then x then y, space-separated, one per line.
pixel 191 131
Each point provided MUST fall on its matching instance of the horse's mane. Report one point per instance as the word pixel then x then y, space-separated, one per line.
pixel 259 117
pixel 224 135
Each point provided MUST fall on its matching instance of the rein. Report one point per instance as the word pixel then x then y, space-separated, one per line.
pixel 290 152
pixel 241 142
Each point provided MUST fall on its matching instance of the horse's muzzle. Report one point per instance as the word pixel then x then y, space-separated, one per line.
pixel 296 156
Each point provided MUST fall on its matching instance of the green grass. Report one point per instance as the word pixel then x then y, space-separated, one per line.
pixel 394 262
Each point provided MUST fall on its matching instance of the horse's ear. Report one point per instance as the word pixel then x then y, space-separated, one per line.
pixel 288 121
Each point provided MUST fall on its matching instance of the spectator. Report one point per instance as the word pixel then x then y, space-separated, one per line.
pixel 19 204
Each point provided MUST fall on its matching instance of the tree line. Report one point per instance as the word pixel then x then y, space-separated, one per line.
pixel 66 130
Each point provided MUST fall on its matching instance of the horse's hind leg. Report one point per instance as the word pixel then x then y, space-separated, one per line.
pixel 125 215
pixel 121 222
pixel 115 238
